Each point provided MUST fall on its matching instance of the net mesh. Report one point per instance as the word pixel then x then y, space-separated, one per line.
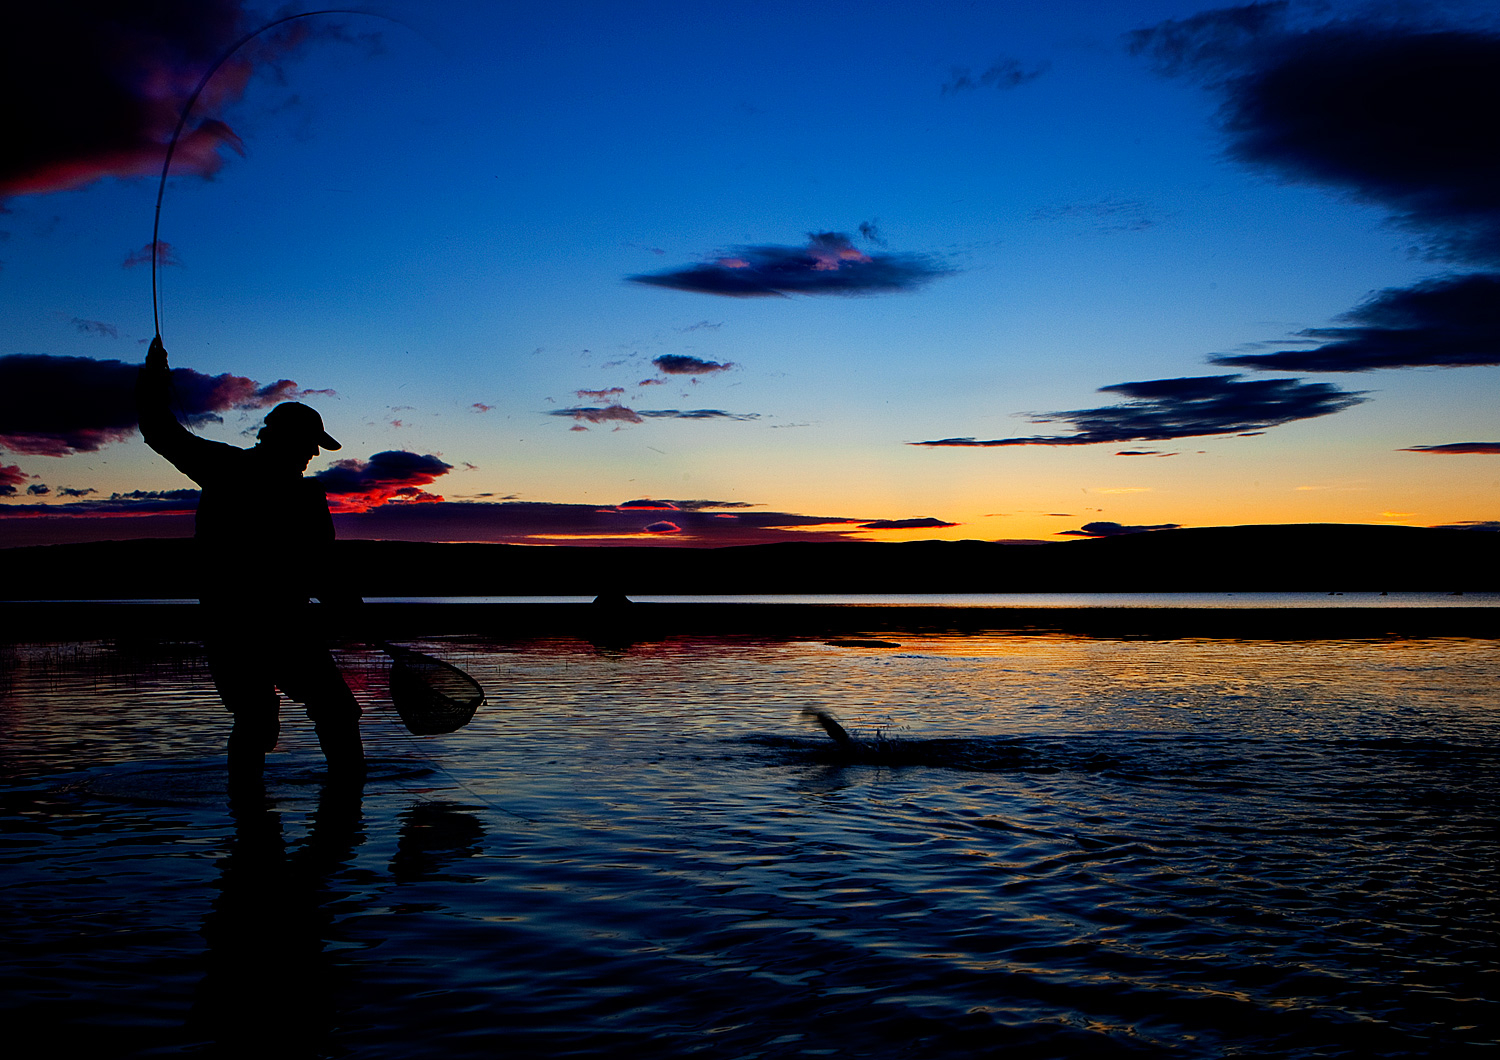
pixel 431 696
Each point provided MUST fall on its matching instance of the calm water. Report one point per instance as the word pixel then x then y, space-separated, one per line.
pixel 1045 847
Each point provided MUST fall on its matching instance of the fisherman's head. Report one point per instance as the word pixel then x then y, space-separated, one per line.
pixel 294 433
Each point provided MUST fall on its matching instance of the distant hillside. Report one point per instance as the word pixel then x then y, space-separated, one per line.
pixel 1313 557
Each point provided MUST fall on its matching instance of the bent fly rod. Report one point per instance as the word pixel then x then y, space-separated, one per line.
pixel 431 696
pixel 187 109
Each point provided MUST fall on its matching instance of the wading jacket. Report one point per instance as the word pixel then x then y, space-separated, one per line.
pixel 264 535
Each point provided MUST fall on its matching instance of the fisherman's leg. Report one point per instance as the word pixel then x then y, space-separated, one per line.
pixel 250 695
pixel 310 677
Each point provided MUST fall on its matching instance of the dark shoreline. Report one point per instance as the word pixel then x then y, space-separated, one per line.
pixel 94 589
pixel 1277 558
pixel 28 622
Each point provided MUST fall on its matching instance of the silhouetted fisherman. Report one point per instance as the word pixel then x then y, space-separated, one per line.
pixel 264 536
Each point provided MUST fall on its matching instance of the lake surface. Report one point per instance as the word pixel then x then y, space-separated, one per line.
pixel 1044 846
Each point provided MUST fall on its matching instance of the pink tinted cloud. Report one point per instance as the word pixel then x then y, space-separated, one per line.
pixel 52 406
pixel 600 414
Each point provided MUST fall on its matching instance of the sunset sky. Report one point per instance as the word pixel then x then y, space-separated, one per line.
pixel 700 274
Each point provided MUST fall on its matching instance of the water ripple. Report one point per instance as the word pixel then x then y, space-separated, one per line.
pixel 1046 846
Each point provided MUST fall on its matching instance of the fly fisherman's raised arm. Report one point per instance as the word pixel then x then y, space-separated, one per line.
pixel 159 424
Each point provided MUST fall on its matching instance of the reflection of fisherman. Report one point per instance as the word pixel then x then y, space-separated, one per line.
pixel 264 539
pixel 272 982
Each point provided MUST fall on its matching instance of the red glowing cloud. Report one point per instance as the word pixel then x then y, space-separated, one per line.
pixel 393 476
pixel 11 477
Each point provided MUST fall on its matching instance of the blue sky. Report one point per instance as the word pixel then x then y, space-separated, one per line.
pixel 438 214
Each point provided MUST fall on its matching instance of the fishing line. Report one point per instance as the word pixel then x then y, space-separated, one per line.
pixel 389 708
pixel 187 109
pixel 161 190
pixel 453 777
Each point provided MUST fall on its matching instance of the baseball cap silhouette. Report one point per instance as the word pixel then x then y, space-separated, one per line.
pixel 302 421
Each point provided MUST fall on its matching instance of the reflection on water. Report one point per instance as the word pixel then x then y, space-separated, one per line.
pixel 1043 845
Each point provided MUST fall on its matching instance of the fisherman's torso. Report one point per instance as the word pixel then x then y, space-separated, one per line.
pixel 262 532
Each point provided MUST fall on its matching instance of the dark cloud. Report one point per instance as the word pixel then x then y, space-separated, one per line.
pixel 156 500
pixel 829 264
pixel 1487 525
pixel 1456 448
pixel 392 476
pixel 37 489
pixel 1106 529
pixel 698 414
pixel 1143 452
pixel 134 503
pixel 93 88
pixel 905 524
pixel 480 406
pixel 597 414
pixel 1405 120
pixel 96 327
pixel 681 364
pixel 698 522
pixel 600 395
pixel 70 492
pixel 1397 114
pixel 624 414
pixel 663 527
pixel 700 505
pixel 1390 111
pixel 1159 409
pixel 121 516
pixel 1447 322
pixel 1002 74
pixel 544 523
pixel 869 230
pixel 52 406
pixel 165 255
